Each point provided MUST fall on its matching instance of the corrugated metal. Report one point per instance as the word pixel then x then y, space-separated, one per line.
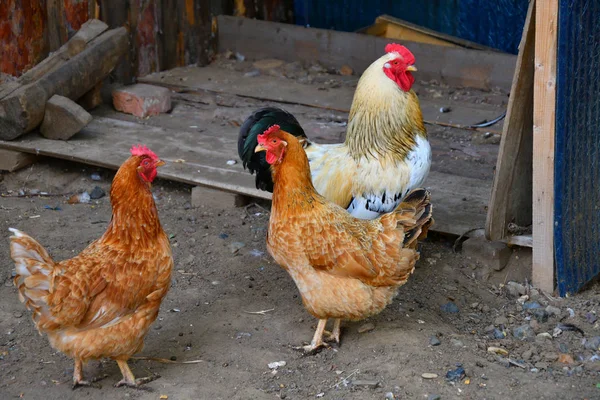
pixel 495 24
pixel 577 154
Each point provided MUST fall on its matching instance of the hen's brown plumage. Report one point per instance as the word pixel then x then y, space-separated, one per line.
pixel 344 267
pixel 102 302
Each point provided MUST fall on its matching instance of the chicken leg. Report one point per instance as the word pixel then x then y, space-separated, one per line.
pixel 317 341
pixel 129 379
pixel 334 336
pixel 78 377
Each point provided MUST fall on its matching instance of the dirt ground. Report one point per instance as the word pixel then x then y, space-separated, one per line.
pixel 223 277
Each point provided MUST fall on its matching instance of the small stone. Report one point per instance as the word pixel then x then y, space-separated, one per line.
pixel 389 396
pixel 530 305
pixel 474 305
pixel 444 110
pixel 515 289
pixel 591 318
pixel 497 350
pixel 542 337
pixel 565 359
pixel 455 375
pixel 234 247
pixel 593 343
pixel 252 74
pixel 485 309
pixel 501 320
pixel 563 347
pixel 450 308
pixel 434 341
pixel 276 364
pixel 97 193
pixel 142 100
pixel 434 397
pixel 187 205
pixel 429 375
pixel 222 235
pixel 96 176
pixel 541 365
pixel 540 315
pixel 368 327
pixel 17 314
pixel 523 332
pixel 489 329
pixel 457 343
pixel 527 355
pixel 534 325
pixel 498 334
pixel 554 311
pixel 550 356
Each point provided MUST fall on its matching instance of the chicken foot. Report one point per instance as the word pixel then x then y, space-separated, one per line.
pixel 78 380
pixel 317 341
pixel 129 379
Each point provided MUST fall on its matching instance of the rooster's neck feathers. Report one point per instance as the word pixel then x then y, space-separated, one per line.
pixel 384 120
pixel 134 216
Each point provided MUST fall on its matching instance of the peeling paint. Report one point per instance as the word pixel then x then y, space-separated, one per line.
pixel 189 12
pixel 76 13
pixel 146 39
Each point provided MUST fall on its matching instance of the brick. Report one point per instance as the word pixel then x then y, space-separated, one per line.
pixel 11 160
pixel 63 118
pixel 142 100
pixel 492 254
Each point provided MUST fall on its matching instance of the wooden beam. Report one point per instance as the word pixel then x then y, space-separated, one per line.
pixel 544 96
pixel 454 66
pixel 511 192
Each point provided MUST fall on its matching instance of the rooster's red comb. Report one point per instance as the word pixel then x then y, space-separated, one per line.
pixel 262 139
pixel 141 150
pixel 408 57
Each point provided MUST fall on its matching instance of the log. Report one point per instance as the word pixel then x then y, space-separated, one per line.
pixel 92 98
pixel 63 118
pixel 12 160
pixel 23 110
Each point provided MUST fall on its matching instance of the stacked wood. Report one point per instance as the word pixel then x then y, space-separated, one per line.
pixel 73 70
pixel 63 118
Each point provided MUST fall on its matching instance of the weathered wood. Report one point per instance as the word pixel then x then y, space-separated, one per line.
pixel 63 118
pixel 454 66
pixel 116 14
pixel 13 160
pixel 288 92
pixel 544 106
pixel 92 98
pixel 459 202
pixel 89 31
pixel 511 192
pixel 23 110
pixel 56 29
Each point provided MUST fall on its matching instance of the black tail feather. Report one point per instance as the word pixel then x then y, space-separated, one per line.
pixel 255 124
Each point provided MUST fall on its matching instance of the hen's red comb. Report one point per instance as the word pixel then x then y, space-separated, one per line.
pixel 262 139
pixel 408 57
pixel 141 150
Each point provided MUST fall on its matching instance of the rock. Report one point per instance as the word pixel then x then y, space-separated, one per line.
pixel 434 341
pixel 593 343
pixel 498 334
pixel 97 193
pixel 485 309
pixel 429 375
pixel 389 396
pixel 541 365
pixel 450 308
pixel 540 315
pixel 515 289
pixel 497 350
pixel 455 375
pixel 542 337
pixel 493 254
pixel 11 160
pixel 444 110
pixel 489 329
pixel 523 332
pixel 530 305
pixel 63 118
pixel 234 247
pixel 276 364
pixel 565 359
pixel 549 356
pixel 368 327
pixel 563 347
pixel 434 397
pixel 457 343
pixel 96 176
pixel 501 320
pixel 527 355
pixel 591 318
pixel 554 311
pixel 142 100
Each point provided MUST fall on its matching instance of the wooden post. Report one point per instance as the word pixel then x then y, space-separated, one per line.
pixel 544 97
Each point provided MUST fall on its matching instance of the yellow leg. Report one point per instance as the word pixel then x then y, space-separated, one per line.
pixel 128 377
pixel 334 336
pixel 317 341
pixel 78 376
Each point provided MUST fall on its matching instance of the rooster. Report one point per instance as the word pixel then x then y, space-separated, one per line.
pixel 344 267
pixel 102 302
pixel 386 153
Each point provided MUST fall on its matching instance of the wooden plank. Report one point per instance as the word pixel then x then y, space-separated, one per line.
pixel 511 191
pixel 454 66
pixel 544 96
pixel 285 91
pixel 57 31
pixel 459 202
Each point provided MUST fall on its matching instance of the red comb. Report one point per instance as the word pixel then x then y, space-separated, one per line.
pixel 408 57
pixel 272 129
pixel 141 150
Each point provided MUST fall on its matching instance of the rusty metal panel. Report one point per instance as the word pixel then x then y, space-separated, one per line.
pixel 577 154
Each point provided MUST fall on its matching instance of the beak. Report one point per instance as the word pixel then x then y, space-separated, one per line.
pixel 260 148
pixel 411 68
pixel 160 163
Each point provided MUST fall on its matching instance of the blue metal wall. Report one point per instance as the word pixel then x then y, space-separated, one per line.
pixel 577 151
pixel 496 23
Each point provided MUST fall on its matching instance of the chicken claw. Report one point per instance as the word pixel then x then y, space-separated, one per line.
pixel 78 377
pixel 335 335
pixel 317 341
pixel 129 379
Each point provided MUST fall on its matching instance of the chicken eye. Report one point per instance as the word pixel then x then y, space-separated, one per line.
pixel 395 62
pixel 274 140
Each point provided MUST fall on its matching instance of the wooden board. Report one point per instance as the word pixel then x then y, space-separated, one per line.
pixel 454 66
pixel 459 202
pixel 544 107
pixel 511 192
pixel 284 91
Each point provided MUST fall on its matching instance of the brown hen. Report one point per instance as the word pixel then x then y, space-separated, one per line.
pixel 344 267
pixel 102 302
